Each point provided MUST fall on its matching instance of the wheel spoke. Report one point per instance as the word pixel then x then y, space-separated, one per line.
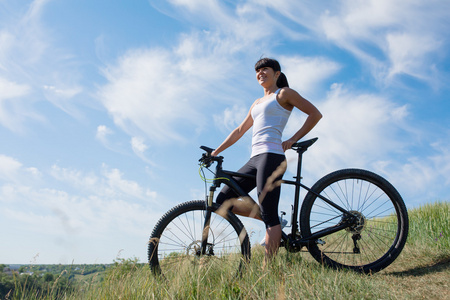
pixel 179 235
pixel 371 242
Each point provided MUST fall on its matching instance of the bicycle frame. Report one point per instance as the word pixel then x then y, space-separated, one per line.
pixel 226 177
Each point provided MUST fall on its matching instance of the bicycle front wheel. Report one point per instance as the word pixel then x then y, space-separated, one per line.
pixel 378 233
pixel 175 243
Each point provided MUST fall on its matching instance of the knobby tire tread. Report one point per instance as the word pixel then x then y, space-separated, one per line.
pixel 385 186
pixel 181 208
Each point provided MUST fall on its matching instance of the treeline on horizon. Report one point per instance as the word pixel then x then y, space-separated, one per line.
pixel 55 269
pixel 40 278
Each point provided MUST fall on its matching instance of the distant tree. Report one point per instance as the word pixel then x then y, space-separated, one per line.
pixel 48 277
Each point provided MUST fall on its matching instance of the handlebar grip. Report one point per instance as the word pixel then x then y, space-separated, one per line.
pixel 207 159
pixel 207 149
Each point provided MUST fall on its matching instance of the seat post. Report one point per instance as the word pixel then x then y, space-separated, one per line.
pixel 300 148
pixel 298 179
pixel 299 167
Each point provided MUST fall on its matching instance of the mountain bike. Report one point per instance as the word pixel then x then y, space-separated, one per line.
pixel 350 218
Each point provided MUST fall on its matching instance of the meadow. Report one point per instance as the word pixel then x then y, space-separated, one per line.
pixel 422 271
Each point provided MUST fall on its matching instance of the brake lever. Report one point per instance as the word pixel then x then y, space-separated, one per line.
pixel 206 160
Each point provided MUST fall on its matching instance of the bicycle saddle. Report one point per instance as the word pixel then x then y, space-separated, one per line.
pixel 303 146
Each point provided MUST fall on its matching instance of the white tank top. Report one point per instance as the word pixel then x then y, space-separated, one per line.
pixel 269 120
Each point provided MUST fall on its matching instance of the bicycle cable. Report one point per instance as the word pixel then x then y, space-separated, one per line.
pixel 203 177
pixel 201 172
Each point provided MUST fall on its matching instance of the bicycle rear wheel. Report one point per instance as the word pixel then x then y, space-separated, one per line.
pixel 379 232
pixel 175 243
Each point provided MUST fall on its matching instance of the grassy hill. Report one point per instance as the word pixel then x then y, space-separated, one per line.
pixel 421 272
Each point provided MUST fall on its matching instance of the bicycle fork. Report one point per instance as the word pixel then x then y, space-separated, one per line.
pixel 204 247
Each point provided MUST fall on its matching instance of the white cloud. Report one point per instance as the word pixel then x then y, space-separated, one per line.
pixel 102 134
pixel 138 145
pixel 29 54
pixel 79 180
pixel 12 171
pixel 198 5
pixel 75 225
pixel 9 167
pixel 61 94
pixel 110 140
pixel 393 37
pixel 420 179
pixel 389 37
pixel 369 31
pixel 116 185
pixel 26 39
pixel 6 40
pixel 306 73
pixel 238 27
pixel 110 184
pixel 356 130
pixel 13 110
pixel 160 93
pixel 148 93
pixel 441 161
pixel 75 208
pixel 231 117
pixel 407 53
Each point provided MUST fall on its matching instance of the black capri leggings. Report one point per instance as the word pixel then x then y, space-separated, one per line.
pixel 262 165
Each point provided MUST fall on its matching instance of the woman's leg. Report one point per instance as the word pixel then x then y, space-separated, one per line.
pixel 246 207
pixel 271 168
pixel 273 238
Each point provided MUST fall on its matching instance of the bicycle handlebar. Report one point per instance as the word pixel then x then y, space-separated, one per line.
pixel 207 159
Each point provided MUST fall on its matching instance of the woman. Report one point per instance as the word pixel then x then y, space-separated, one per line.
pixel 268 116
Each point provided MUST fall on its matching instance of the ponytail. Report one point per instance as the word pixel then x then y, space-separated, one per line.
pixel 282 81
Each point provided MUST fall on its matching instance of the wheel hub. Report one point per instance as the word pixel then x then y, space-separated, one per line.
pixel 194 248
pixel 358 224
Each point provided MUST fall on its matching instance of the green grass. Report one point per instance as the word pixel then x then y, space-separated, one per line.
pixel 421 271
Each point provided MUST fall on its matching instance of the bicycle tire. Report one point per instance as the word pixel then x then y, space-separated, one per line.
pixel 175 242
pixel 380 232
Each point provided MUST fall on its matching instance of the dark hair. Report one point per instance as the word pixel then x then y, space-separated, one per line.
pixel 275 65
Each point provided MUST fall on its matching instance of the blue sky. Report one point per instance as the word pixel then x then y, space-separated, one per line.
pixel 103 105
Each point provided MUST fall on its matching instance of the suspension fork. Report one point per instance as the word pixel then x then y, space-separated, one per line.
pixel 207 222
pixel 209 205
pixel 220 177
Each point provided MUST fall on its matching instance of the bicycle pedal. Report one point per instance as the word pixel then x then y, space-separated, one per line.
pixel 320 242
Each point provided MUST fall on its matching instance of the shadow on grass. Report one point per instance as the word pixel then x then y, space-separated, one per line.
pixel 441 265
